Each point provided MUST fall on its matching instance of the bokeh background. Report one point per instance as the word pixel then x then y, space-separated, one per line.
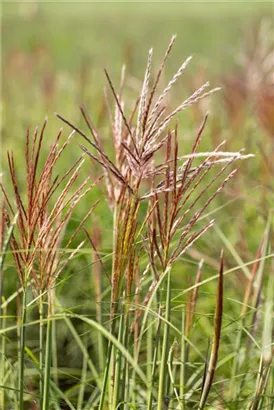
pixel 54 53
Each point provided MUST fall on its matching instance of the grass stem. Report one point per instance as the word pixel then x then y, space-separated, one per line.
pixel 22 348
pixel 183 364
pixel 41 348
pixel 163 363
pixel 3 353
pixel 47 370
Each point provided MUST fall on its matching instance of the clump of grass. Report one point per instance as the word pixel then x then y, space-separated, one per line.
pixel 158 198
pixel 37 236
pixel 167 229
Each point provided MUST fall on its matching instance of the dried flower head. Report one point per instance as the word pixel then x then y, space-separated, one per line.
pixel 41 221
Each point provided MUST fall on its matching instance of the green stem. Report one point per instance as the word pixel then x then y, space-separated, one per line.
pixel 154 363
pixel 144 321
pixel 125 384
pixel 47 381
pixel 83 384
pixel 97 285
pixel 117 374
pixel 41 348
pixel 112 326
pixel 22 348
pixel 183 362
pixel 149 355
pixel 233 387
pixel 101 347
pixel 107 365
pixel 163 364
pixel 3 354
pixel 54 345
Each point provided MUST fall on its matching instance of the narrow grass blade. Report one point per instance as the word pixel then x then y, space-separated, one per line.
pixel 81 393
pixel 163 364
pixel 22 349
pixel 47 374
pixel 171 374
pixel 154 363
pixel 216 340
pixel 183 362
pixel 117 369
pixel 3 357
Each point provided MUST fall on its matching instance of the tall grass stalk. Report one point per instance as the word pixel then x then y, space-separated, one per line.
pixel 80 400
pixel 22 343
pixel 149 354
pixel 54 343
pixel 165 348
pixel 3 354
pixel 152 375
pixel 183 362
pixel 48 354
pixel 41 347
pixel 107 369
pixel 98 269
pixel 210 370
pixel 117 373
pixel 124 388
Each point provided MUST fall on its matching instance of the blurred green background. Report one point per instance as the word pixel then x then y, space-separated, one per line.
pixel 54 52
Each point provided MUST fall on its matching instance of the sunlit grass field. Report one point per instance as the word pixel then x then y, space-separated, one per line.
pixel 53 60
